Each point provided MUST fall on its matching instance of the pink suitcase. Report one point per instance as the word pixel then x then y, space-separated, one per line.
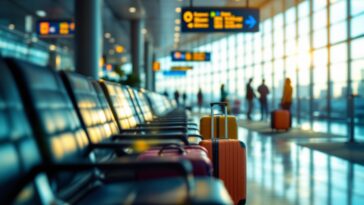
pixel 196 154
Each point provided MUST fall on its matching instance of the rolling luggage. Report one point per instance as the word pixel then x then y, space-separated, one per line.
pixel 219 120
pixel 280 120
pixel 229 160
pixel 196 154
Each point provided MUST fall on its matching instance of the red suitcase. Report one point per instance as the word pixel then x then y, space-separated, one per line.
pixel 229 162
pixel 280 120
pixel 196 154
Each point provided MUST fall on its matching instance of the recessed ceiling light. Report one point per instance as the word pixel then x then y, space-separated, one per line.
pixel 112 40
pixel 41 13
pixel 177 21
pixel 132 9
pixel 52 47
pixel 107 35
pixel 178 9
pixel 11 26
pixel 34 39
pixel 119 48
pixel 177 28
pixel 144 31
pixel 124 59
pixel 176 35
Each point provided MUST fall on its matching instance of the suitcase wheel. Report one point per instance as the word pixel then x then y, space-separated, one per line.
pixel 242 202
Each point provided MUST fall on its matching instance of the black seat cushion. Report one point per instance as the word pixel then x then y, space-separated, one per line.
pixel 120 105
pixel 99 126
pixel 55 124
pixel 18 149
pixel 105 105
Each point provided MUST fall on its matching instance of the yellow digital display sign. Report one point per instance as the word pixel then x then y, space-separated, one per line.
pixel 55 28
pixel 181 68
pixel 156 66
pixel 202 19
pixel 190 56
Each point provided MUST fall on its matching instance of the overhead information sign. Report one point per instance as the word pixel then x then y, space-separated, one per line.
pixel 174 73
pixel 214 19
pixel 182 68
pixel 190 56
pixel 55 28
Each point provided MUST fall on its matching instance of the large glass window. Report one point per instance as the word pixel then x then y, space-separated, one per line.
pixel 277 51
pixel 357 27
pixel 338 11
pixel 357 7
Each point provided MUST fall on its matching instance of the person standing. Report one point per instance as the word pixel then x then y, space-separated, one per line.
pixel 286 101
pixel 184 98
pixel 263 93
pixel 223 93
pixel 223 96
pixel 176 96
pixel 166 94
pixel 199 99
pixel 250 95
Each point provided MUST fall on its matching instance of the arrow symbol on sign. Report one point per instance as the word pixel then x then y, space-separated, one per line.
pixel 251 22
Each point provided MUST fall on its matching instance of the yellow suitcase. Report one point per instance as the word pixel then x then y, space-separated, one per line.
pixel 219 123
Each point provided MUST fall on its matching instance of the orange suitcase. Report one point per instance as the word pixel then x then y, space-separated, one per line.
pixel 205 126
pixel 229 162
pixel 280 120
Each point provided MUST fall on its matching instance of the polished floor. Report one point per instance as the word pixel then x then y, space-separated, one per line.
pixel 281 172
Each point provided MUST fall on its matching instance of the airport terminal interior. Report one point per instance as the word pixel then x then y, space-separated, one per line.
pixel 182 102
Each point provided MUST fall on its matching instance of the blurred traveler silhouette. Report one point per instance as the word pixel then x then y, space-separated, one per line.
pixel 176 96
pixel 236 107
pixel 199 99
pixel 223 93
pixel 166 93
pixel 263 93
pixel 184 98
pixel 286 101
pixel 250 95
pixel 223 96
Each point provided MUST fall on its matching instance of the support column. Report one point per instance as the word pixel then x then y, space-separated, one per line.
pixel 136 45
pixel 148 65
pixel 154 58
pixel 311 64
pixel 349 90
pixel 88 38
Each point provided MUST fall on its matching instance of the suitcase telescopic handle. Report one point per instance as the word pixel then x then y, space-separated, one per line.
pixel 172 146
pixel 223 104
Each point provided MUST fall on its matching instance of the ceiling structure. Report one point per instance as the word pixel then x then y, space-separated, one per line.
pixel 158 17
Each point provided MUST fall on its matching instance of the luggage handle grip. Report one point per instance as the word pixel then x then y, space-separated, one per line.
pixel 224 104
pixel 172 146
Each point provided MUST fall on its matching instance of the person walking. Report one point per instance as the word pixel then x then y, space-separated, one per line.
pixel 286 101
pixel 199 99
pixel 176 96
pixel 263 93
pixel 250 95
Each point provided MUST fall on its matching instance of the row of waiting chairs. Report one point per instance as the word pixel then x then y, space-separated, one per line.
pixel 68 139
